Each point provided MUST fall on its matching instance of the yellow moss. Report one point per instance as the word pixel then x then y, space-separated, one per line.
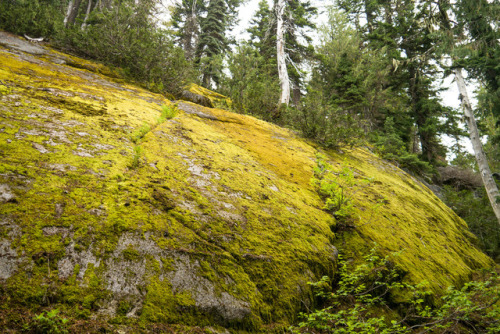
pixel 217 99
pixel 398 213
pixel 233 194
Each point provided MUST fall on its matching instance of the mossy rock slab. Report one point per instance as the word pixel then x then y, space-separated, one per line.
pixel 108 211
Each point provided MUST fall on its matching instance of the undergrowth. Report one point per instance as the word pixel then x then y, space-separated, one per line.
pixel 337 186
pixel 361 300
pixel 49 322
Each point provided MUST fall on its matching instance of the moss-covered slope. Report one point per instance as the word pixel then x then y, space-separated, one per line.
pixel 207 218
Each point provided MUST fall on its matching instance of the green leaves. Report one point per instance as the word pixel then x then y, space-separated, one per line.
pixel 361 298
pixel 337 187
pixel 48 323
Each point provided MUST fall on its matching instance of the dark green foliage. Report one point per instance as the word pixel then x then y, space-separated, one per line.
pixel 403 33
pixel 36 18
pixel 480 19
pixel 480 55
pixel 474 207
pixel 361 301
pixel 213 42
pixel 262 35
pixel 126 36
pixel 118 33
pixel 298 21
pixel 391 147
pixel 253 87
pixel 185 20
pixel 347 94
pixel 331 126
pixel 48 323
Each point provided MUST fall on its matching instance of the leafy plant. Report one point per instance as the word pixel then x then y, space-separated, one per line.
pixel 336 187
pixel 136 160
pixel 360 301
pixel 391 147
pixel 140 133
pixel 167 112
pixel 48 323
pixel 474 207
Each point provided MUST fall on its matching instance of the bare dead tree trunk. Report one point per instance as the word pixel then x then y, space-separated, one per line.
pixel 482 162
pixel 68 13
pixel 280 44
pixel 72 12
pixel 87 13
pixel 190 40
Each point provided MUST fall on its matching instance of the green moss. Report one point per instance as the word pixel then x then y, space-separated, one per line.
pixel 4 90
pixel 233 196
pixel 218 100
pixel 401 215
pixel 131 254
pixel 162 305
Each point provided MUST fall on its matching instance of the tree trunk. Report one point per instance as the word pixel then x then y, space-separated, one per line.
pixel 68 13
pixel 89 7
pixel 72 12
pixel 280 44
pixel 370 16
pixel 482 162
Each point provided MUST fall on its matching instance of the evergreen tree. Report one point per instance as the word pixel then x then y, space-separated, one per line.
pixel 253 84
pixel 261 31
pixel 296 21
pixel 477 29
pixel 403 29
pixel 213 42
pixel 186 17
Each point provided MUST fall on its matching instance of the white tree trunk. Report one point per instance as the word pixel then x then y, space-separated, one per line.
pixel 482 162
pixel 87 13
pixel 68 13
pixel 280 44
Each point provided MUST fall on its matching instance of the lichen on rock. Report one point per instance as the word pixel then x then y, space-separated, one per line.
pixel 207 218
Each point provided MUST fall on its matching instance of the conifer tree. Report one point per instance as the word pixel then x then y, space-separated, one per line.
pixel 213 42
pixel 403 28
pixel 186 18
pixel 261 30
pixel 294 17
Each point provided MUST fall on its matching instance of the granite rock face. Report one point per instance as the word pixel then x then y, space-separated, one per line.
pixel 206 218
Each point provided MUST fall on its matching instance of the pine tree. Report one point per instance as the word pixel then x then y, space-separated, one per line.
pixel 186 18
pixel 403 29
pixel 262 31
pixel 294 17
pixel 213 42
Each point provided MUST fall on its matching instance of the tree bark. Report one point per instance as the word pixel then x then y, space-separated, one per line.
pixel 68 13
pixel 89 7
pixel 191 32
pixel 482 162
pixel 280 45
pixel 72 12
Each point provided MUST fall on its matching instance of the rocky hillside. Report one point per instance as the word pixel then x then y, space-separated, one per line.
pixel 113 212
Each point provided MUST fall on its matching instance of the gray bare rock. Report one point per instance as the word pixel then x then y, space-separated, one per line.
pixel 127 276
pixel 196 98
pixel 9 260
pixel 6 194
pixel 184 278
